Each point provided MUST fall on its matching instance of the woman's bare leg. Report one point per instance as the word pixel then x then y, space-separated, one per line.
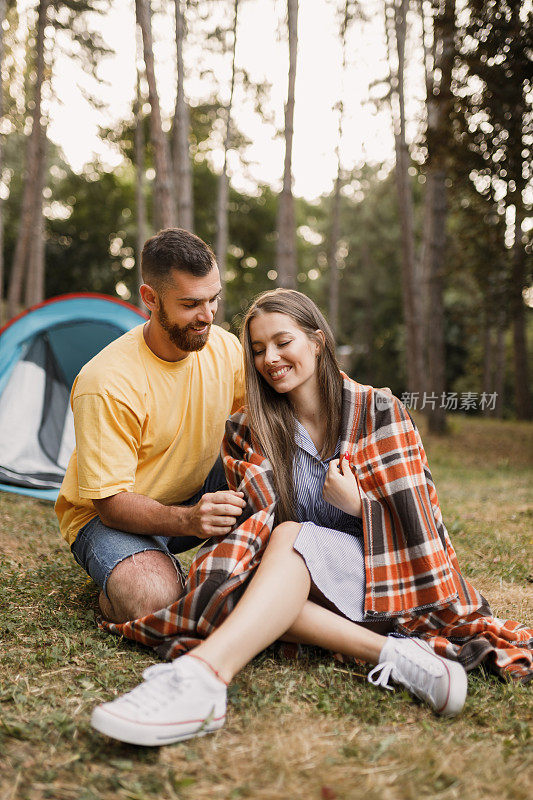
pixel 318 626
pixel 276 602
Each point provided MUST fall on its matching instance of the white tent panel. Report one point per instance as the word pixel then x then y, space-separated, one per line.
pixel 21 411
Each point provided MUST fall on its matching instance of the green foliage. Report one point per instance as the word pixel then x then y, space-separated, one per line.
pixel 495 48
pixel 371 315
pixel 493 118
pixel 98 205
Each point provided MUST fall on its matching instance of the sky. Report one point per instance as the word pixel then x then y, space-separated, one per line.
pixel 367 132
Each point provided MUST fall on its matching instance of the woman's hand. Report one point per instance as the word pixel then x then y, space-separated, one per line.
pixel 341 488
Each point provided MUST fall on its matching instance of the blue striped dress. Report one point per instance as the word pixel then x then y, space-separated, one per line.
pixel 330 541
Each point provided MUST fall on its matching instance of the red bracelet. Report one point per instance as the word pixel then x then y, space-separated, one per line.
pixel 194 655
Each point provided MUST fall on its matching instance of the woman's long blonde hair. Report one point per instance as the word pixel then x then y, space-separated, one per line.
pixel 272 418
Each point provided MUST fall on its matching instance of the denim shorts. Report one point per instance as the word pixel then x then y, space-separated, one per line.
pixel 98 548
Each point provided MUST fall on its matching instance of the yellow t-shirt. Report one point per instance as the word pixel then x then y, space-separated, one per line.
pixel 146 425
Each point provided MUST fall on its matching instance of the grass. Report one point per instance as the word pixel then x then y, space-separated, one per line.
pixel 296 730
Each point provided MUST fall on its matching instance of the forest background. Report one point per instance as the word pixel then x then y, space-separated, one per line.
pixel 422 259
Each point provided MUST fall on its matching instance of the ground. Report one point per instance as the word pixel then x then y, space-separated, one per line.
pixel 295 730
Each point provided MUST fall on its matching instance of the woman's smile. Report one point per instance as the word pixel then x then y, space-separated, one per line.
pixel 278 373
pixel 284 355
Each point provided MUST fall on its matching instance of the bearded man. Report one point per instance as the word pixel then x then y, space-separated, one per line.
pixel 145 481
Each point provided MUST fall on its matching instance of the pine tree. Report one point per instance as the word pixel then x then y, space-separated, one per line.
pixel 396 32
pixel 180 132
pixel 30 224
pixel 139 159
pixel 286 247
pixel 164 211
pixel 27 273
pixel 334 231
pixel 439 136
pixel 221 247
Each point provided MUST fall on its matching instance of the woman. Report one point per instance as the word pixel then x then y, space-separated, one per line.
pixel 341 509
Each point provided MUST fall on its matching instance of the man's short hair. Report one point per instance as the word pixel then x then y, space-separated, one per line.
pixel 174 248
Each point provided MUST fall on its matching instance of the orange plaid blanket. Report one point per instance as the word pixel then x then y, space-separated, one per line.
pixel 412 572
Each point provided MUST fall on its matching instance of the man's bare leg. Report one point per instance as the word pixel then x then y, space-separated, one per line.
pixel 140 585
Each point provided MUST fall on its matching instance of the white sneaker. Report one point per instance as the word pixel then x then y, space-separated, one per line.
pixel 176 701
pixel 414 664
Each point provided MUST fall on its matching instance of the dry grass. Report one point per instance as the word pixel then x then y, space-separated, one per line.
pixel 296 730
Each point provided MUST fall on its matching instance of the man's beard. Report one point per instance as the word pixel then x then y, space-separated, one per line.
pixel 185 338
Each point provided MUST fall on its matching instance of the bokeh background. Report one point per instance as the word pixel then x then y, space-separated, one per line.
pixel 375 155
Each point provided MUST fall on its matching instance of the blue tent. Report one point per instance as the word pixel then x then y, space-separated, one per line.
pixel 41 352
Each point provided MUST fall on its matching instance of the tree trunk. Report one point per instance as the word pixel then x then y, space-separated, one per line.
pixel 333 258
pixel 335 224
pixel 35 278
pixel 369 306
pixel 180 134
pixel 140 203
pixel 221 247
pixel 3 7
pixel 499 364
pixel 422 262
pixel 286 246
pixel 518 284
pixel 436 208
pixel 518 124
pixel 28 222
pixel 411 287
pixel 488 353
pixel 412 298
pixel 164 211
pixel 439 133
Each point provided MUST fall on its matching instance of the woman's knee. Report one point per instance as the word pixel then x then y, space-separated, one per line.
pixel 284 534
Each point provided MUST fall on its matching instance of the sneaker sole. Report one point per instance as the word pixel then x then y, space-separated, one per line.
pixel 459 681
pixel 152 735
pixel 457 684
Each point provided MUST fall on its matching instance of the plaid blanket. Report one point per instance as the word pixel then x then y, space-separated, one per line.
pixel 412 572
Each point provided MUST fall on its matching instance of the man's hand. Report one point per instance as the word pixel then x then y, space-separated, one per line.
pixel 215 514
pixel 341 488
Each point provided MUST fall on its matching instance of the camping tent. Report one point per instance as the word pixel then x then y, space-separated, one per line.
pixel 41 352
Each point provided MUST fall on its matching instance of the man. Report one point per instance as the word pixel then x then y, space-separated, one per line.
pixel 149 410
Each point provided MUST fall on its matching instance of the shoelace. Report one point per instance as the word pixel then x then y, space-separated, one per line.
pixel 383 672
pixel 410 669
pixel 150 692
